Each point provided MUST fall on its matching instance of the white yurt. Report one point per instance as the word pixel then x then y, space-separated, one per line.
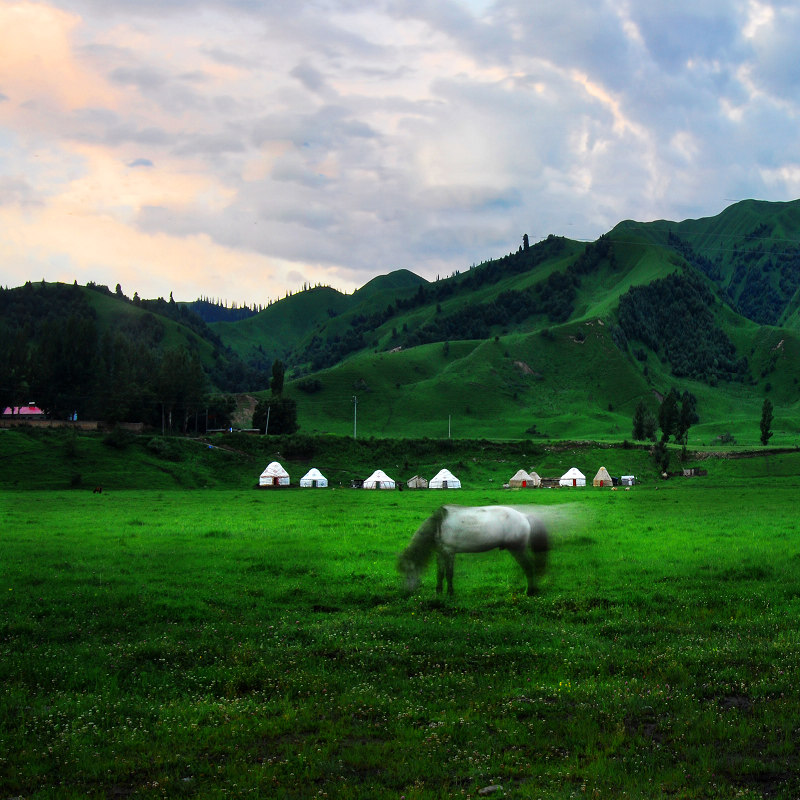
pixel 520 480
pixel 602 478
pixel 573 477
pixel 274 475
pixel 444 479
pixel 314 478
pixel 535 481
pixel 379 480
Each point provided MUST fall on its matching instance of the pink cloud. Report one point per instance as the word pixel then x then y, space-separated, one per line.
pixel 39 66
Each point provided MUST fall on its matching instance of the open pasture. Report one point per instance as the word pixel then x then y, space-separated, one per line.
pixel 244 643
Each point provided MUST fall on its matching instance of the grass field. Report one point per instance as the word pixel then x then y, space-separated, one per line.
pixel 59 459
pixel 245 643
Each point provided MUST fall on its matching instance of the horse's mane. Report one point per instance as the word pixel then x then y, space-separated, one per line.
pixel 420 548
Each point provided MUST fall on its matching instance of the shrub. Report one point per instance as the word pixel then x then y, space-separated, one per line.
pixel 310 385
pixel 119 438
pixel 164 448
pixel 71 445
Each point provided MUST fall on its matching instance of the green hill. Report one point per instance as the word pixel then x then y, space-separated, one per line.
pixel 751 252
pixel 560 339
pixel 284 329
pixel 531 345
pixel 274 332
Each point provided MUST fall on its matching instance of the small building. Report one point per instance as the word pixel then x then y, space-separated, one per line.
pixel 520 480
pixel 417 482
pixel 379 480
pixel 30 411
pixel 274 475
pixel 314 479
pixel 602 478
pixel 536 481
pixel 444 479
pixel 627 480
pixel 572 477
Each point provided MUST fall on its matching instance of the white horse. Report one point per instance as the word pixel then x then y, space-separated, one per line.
pixel 462 529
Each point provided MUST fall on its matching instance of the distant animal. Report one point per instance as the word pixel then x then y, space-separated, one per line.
pixel 455 529
pixel 97 490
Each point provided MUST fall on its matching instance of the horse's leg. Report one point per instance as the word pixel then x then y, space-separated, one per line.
pixel 540 562
pixel 440 572
pixel 524 560
pixel 449 561
pixel 540 545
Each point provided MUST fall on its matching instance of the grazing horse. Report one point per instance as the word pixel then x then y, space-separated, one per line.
pixel 462 529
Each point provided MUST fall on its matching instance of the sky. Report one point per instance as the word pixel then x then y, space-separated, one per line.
pixel 241 149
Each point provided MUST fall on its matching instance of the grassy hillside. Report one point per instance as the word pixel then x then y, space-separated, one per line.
pixel 545 386
pixel 274 332
pixel 60 459
pixel 528 376
pixel 400 280
pixel 553 341
pixel 114 313
pixel 750 251
pixel 568 381
pixel 281 329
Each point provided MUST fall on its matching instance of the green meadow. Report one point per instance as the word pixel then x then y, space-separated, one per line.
pixel 242 643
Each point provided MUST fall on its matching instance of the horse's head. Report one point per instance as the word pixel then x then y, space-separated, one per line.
pixel 410 572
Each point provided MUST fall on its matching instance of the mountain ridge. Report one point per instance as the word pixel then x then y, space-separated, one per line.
pixel 573 313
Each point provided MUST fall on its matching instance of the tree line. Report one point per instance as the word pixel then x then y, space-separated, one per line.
pixel 553 298
pixel 676 414
pixel 764 273
pixel 54 352
pixel 673 317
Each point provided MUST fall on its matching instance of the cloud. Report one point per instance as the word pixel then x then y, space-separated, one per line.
pixel 143 78
pixel 312 79
pixel 336 141
pixel 39 65
pixel 16 191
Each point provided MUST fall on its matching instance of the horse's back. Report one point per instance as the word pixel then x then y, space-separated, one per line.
pixel 478 528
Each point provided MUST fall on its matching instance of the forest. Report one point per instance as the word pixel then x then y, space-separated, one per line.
pixel 673 317
pixel 765 274
pixel 52 349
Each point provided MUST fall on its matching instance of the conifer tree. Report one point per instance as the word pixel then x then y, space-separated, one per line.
pixel 766 421
pixel 276 384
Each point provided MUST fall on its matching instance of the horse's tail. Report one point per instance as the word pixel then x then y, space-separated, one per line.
pixel 539 542
pixel 413 560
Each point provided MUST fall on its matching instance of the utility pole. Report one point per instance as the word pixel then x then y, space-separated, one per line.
pixel 448 426
pixel 355 414
pixel 266 429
